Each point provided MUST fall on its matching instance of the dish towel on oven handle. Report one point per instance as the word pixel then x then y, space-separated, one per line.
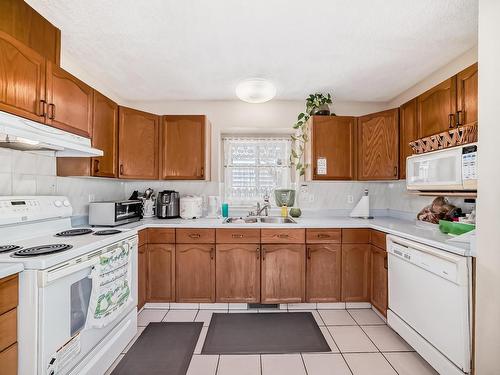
pixel 111 280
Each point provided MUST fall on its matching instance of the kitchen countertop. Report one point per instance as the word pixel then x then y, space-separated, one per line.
pixel 8 269
pixel 425 233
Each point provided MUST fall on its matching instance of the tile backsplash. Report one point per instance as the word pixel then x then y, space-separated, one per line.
pixel 31 173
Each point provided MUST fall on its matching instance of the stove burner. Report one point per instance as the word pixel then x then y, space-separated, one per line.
pixel 107 232
pixel 74 232
pixel 7 248
pixel 42 250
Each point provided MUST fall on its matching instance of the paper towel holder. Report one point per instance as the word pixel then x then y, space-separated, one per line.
pixel 362 209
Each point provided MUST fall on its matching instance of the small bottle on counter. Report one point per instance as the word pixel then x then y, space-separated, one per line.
pixel 284 210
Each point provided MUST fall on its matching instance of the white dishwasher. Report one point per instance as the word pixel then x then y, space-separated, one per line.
pixel 430 303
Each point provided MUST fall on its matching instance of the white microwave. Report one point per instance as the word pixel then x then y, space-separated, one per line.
pixel 451 169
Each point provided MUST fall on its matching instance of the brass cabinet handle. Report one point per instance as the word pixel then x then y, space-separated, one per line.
pixel 121 169
pixel 308 253
pixel 211 253
pixel 42 108
pixel 385 262
pixel 52 111
pixel 322 235
pixel 96 165
pixel 459 117
pixel 202 171
pixel 395 171
pixel 194 235
pixel 257 251
pixel 263 253
pixel 450 120
pixel 283 235
pixel 234 235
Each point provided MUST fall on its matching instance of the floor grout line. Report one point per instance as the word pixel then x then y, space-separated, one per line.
pixel 304 364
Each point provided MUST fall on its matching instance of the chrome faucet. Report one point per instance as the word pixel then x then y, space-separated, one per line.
pixel 265 208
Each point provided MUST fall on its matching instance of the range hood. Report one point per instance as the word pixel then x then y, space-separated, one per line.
pixel 26 135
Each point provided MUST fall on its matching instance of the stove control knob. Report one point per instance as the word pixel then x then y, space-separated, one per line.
pixel 66 203
pixel 57 203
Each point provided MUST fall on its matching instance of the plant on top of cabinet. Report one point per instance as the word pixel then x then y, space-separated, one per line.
pixel 316 104
pixel 185 147
pixel 378 145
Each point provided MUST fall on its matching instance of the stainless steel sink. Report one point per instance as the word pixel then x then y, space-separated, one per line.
pixel 277 220
pixel 259 219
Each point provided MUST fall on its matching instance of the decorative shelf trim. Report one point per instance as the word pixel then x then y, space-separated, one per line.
pixel 460 135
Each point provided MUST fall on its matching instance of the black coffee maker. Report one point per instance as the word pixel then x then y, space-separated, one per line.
pixel 167 204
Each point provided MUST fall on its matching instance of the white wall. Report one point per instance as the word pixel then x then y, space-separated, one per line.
pixel 488 236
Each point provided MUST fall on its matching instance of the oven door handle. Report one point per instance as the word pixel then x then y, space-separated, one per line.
pixel 48 277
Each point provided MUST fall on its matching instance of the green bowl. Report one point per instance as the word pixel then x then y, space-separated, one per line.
pixel 295 212
pixel 453 227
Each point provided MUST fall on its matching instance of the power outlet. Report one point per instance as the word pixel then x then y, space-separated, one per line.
pixel 91 198
pixel 350 198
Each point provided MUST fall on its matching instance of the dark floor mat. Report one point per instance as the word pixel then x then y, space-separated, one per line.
pixel 278 333
pixel 163 348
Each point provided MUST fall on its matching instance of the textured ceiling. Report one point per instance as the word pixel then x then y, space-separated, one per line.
pixel 360 50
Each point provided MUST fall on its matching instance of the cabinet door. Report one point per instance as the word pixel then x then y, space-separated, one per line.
pixel 237 271
pixel 436 108
pixel 183 148
pixel 323 273
pixel 356 273
pixel 8 360
pixel 333 139
pixel 22 83
pixel 105 136
pixel 467 95
pixel 69 102
pixel 195 273
pixel 137 144
pixel 408 132
pixel 142 272
pixel 283 273
pixel 379 279
pixel 378 146
pixel 161 273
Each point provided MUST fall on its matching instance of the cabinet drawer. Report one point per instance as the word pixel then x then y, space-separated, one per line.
pixel 8 360
pixel 143 237
pixel 8 293
pixel 356 235
pixel 195 235
pixel 282 235
pixel 8 329
pixel 378 239
pixel 161 235
pixel 323 235
pixel 238 235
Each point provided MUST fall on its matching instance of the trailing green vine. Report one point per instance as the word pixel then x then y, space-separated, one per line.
pixel 301 137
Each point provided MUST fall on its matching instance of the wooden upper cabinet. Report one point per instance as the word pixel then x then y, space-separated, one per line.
pixel 185 148
pixel 283 273
pixel 467 95
pixel 436 108
pixel 323 273
pixel 356 278
pixel 378 146
pixel 238 273
pixel 69 102
pixel 379 279
pixel 161 273
pixel 195 273
pixel 22 83
pixel 408 132
pixel 22 22
pixel 333 139
pixel 105 136
pixel 137 144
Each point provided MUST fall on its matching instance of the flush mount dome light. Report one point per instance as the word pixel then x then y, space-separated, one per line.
pixel 255 90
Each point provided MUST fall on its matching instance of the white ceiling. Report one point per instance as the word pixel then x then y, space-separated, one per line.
pixel 360 50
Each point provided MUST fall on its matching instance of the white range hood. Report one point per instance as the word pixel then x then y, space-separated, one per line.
pixel 26 135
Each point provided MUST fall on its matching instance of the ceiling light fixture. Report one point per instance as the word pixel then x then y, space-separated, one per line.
pixel 255 90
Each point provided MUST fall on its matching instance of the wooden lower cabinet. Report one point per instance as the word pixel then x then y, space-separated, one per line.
pixel 379 279
pixel 283 273
pixel 8 360
pixel 8 324
pixel 161 272
pixel 195 273
pixel 323 273
pixel 142 272
pixel 237 271
pixel 356 272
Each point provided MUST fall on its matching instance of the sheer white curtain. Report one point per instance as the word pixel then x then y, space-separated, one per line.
pixel 254 167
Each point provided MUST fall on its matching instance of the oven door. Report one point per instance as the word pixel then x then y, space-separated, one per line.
pixel 127 211
pixel 65 338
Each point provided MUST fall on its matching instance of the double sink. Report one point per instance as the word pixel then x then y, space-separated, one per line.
pixel 259 219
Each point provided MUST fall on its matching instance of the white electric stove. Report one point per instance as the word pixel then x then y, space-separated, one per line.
pixel 59 328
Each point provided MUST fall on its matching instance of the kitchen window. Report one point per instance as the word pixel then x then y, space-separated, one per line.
pixel 254 167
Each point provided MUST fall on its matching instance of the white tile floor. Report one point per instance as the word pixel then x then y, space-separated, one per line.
pixel 361 344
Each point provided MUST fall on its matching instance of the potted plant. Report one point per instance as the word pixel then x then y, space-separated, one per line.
pixel 316 104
